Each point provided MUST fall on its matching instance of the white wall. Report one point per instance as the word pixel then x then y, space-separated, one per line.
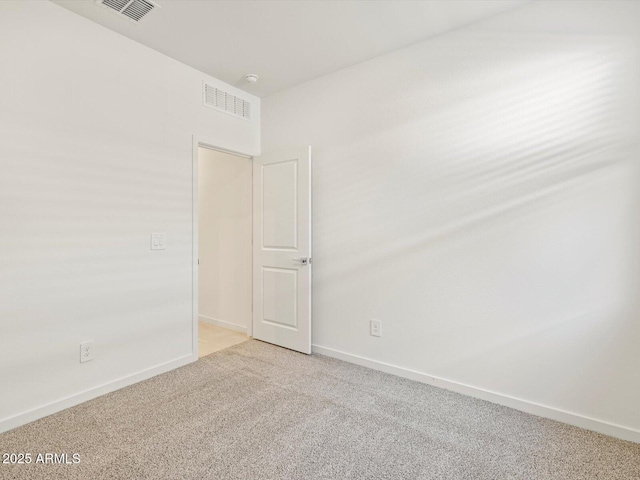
pixel 95 154
pixel 224 232
pixel 478 193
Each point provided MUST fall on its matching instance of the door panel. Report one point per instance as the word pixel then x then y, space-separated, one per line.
pixel 282 249
pixel 279 205
pixel 279 292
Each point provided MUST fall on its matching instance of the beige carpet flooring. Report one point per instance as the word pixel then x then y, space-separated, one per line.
pixel 255 411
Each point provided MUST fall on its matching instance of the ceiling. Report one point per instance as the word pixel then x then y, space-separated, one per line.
pixel 287 42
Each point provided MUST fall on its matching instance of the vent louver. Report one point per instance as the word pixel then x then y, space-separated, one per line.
pixel 132 9
pixel 116 4
pixel 215 98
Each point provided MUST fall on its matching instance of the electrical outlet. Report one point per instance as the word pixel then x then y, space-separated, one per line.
pixel 86 351
pixel 376 328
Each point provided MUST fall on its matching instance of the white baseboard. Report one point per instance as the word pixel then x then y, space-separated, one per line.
pixel 75 399
pixel 563 416
pixel 221 323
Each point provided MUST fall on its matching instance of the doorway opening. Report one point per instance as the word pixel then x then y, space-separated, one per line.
pixel 224 300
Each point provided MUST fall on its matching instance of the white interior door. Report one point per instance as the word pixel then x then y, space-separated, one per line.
pixel 282 248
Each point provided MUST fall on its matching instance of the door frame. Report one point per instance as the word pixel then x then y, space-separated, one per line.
pixel 198 142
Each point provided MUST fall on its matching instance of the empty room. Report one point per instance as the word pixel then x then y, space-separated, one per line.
pixel 320 239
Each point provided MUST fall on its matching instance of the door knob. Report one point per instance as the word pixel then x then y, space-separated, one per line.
pixel 302 260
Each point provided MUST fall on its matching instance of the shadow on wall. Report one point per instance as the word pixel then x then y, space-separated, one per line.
pixel 496 191
pixel 518 134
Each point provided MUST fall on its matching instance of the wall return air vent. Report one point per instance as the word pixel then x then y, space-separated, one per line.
pixel 220 100
pixel 133 10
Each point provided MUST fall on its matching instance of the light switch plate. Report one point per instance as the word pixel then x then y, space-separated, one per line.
pixel 157 241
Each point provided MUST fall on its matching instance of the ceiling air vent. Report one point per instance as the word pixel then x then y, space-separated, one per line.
pixel 134 10
pixel 215 98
